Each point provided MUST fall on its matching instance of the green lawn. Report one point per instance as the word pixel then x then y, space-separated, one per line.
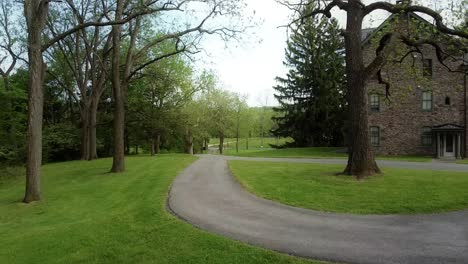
pixel 465 161
pixel 317 187
pixel 91 216
pixel 316 153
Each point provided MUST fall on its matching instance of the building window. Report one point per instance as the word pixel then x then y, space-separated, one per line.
pixel 447 101
pixel 427 67
pixel 426 136
pixel 375 102
pixel 427 100
pixel 375 136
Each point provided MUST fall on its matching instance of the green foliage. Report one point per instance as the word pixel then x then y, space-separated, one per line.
pixel 158 97
pixel 61 142
pixel 89 216
pixel 13 110
pixel 311 96
pixel 314 186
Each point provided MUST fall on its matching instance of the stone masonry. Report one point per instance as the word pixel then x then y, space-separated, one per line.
pixel 401 117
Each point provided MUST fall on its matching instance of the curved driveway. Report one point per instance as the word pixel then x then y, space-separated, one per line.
pixel 207 196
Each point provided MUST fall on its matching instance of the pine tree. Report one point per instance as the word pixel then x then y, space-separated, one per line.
pixel 311 96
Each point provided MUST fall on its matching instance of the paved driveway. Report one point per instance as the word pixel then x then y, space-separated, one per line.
pixel 207 196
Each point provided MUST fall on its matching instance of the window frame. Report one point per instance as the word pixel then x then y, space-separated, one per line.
pixel 428 70
pixel 426 133
pixel 425 101
pixel 374 108
pixel 375 143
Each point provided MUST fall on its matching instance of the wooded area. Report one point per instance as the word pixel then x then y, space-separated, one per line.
pixel 87 79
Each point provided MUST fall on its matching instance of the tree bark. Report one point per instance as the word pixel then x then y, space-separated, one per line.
pixel 127 141
pixel 118 164
pixel 85 129
pixel 6 83
pixel 118 161
pixel 221 144
pixel 92 150
pixel 157 149
pixel 35 12
pixel 189 143
pixel 361 161
pixel 153 146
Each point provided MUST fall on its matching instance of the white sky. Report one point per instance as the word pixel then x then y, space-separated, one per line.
pixel 250 68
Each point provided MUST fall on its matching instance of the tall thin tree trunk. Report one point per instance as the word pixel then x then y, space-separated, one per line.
pixel 247 141
pixel 158 144
pixel 118 164
pixel 127 141
pixel 118 161
pixel 92 149
pixel 221 144
pixel 35 12
pixel 153 146
pixel 361 161
pixel 6 83
pixel 85 133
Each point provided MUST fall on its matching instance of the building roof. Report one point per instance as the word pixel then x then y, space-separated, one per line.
pixel 367 33
pixel 447 127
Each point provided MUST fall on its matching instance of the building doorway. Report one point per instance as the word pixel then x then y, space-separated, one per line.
pixel 448 145
pixel 449 141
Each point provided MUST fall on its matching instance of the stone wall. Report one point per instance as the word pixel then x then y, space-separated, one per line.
pixel 401 118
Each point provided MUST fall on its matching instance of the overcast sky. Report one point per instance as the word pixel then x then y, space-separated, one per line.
pixel 249 68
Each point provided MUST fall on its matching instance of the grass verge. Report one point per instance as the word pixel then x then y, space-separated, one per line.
pixel 317 187
pixel 313 153
pixel 91 216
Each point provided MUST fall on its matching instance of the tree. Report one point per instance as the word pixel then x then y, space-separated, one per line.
pixel 194 32
pixel 86 55
pixel 222 112
pixel 155 99
pixel 312 96
pixel 361 161
pixel 115 14
pixel 36 13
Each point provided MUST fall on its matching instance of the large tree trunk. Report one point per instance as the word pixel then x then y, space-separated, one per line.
pixel 361 161
pixel 189 143
pixel 118 162
pixel 221 144
pixel 36 13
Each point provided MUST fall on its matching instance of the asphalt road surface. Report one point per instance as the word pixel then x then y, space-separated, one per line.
pixel 208 197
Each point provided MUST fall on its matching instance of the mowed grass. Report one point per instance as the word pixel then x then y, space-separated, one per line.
pixel 91 216
pixel 317 187
pixel 313 153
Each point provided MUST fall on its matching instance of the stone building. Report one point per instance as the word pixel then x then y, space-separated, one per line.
pixel 426 112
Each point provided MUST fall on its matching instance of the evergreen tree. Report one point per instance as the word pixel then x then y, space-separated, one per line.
pixel 312 97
